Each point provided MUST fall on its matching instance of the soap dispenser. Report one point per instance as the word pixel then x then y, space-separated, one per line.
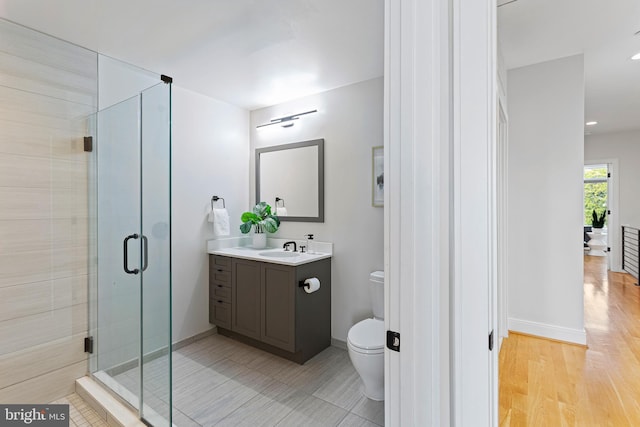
pixel 309 241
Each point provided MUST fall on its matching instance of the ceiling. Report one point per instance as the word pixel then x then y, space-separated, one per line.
pixel 256 53
pixel 251 53
pixel 532 31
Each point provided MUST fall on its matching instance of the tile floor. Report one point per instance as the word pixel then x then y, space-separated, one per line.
pixel 81 414
pixel 218 381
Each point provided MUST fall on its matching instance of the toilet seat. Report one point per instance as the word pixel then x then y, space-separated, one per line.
pixel 367 337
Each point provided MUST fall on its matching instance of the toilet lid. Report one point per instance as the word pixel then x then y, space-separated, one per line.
pixel 368 334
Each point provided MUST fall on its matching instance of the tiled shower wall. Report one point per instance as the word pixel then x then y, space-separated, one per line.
pixel 48 90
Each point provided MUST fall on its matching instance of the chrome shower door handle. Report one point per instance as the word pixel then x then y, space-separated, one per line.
pixel 126 254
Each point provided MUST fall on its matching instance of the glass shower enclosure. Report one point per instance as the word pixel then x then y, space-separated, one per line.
pixel 131 298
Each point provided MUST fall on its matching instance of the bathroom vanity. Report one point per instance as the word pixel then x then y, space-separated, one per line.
pixel 257 297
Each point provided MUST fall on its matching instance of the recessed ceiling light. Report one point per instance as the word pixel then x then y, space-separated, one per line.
pixel 636 57
pixel 591 123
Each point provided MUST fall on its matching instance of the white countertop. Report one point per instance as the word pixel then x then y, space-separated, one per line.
pixel 254 254
pixel 239 249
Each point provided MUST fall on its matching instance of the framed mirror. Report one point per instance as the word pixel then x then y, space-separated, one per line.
pixel 290 178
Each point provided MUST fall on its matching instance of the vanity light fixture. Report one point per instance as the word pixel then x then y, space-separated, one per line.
pixel 286 121
pixel 591 123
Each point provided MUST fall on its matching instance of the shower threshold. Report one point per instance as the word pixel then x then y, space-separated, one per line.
pixel 99 393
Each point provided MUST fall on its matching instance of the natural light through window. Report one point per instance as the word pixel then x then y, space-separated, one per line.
pixel 595 191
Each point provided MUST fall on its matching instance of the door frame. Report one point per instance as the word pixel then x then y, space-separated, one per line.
pixel 502 183
pixel 416 156
pixel 439 226
pixel 613 222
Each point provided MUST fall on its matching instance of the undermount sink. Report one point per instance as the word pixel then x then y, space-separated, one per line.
pixel 279 254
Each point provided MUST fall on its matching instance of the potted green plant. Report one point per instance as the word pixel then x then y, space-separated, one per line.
pixel 262 222
pixel 597 222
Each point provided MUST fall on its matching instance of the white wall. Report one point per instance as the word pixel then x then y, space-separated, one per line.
pixel 546 152
pixel 625 147
pixel 350 120
pixel 210 156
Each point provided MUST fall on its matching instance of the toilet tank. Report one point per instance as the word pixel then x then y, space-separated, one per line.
pixel 376 291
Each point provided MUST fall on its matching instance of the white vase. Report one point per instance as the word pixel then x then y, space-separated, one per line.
pixel 596 230
pixel 259 240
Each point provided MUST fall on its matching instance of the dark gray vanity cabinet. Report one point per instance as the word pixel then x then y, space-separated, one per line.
pixel 268 309
pixel 220 291
pixel 278 303
pixel 245 297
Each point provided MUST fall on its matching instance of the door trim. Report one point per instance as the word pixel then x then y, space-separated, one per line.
pixel 613 223
pixel 502 194
pixel 440 232
pixel 416 210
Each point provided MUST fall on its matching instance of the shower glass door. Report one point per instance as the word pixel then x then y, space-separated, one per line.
pixel 133 330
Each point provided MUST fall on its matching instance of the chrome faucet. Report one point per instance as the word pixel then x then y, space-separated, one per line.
pixel 286 246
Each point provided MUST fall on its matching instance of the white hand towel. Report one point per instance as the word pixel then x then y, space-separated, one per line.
pixel 281 211
pixel 220 220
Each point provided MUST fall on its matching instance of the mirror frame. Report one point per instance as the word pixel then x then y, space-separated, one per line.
pixel 315 142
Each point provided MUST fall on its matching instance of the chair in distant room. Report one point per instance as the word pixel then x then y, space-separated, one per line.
pixel 587 229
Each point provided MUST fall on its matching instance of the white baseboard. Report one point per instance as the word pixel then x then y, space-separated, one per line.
pixel 559 333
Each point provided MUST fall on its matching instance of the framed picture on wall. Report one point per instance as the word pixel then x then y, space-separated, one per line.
pixel 377 192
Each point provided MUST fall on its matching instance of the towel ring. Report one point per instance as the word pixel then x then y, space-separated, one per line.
pixel 215 199
pixel 278 199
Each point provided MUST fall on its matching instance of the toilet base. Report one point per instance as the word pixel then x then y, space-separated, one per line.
pixel 375 395
pixel 370 367
pixel 365 343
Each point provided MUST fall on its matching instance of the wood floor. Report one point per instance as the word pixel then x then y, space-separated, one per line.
pixel 547 383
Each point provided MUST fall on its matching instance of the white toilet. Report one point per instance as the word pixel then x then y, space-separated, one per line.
pixel 366 342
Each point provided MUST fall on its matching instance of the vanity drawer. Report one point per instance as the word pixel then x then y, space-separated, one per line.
pixel 220 292
pixel 220 277
pixel 220 313
pixel 218 262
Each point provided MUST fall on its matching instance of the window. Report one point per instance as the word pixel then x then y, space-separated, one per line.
pixel 596 185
